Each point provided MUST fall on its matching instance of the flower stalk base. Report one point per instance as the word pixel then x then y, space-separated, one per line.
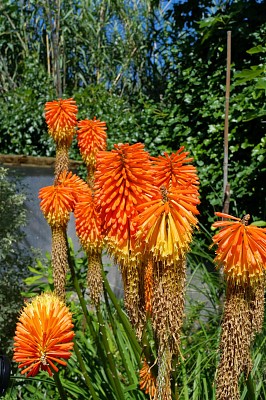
pixel 242 319
pixel 59 261
pixel 94 276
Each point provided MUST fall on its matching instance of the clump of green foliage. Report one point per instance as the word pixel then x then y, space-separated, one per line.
pixel 13 261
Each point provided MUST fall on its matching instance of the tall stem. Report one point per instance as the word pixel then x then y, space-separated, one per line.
pixel 119 345
pixel 111 362
pixel 59 386
pixel 251 389
pixel 79 293
pixel 164 371
pixel 84 372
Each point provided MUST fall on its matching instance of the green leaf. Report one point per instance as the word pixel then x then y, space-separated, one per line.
pixel 261 84
pixel 258 223
pixel 257 49
pixel 248 74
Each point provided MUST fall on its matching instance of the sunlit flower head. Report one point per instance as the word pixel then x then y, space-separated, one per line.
pixel 88 222
pixel 57 201
pixel 61 118
pixel 241 249
pixel 175 170
pixel 166 222
pixel 91 139
pixel 147 381
pixel 74 182
pixel 56 204
pixel 122 181
pixel 44 335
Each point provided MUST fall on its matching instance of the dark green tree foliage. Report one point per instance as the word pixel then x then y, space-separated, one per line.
pixel 192 110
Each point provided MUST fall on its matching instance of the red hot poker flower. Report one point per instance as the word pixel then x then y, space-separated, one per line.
pixel 91 139
pixel 61 118
pixel 74 182
pixel 241 249
pixel 174 170
pixel 122 181
pixel 165 223
pixel 57 201
pixel 56 204
pixel 44 335
pixel 88 222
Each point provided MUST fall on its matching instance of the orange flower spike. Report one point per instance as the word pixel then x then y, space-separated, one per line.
pixel 122 181
pixel 91 139
pixel 241 249
pixel 61 118
pixel 59 200
pixel 88 222
pixel 75 183
pixel 174 170
pixel 56 204
pixel 44 335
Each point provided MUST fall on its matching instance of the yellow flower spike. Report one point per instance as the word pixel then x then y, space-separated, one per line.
pixel 165 224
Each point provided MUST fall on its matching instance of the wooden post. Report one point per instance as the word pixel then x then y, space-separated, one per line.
pixel 57 49
pixel 226 185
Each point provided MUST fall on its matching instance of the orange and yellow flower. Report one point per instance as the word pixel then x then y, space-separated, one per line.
pixel 122 181
pixel 88 222
pixel 91 139
pixel 61 118
pixel 147 381
pixel 74 182
pixel 57 201
pixel 241 249
pixel 44 335
pixel 165 223
pixel 174 170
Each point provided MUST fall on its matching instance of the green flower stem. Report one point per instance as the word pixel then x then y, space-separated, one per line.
pixel 111 362
pixel 120 348
pixel 185 390
pixel 59 386
pixel 164 372
pixel 88 319
pixel 84 372
pixel 251 394
pixel 126 324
